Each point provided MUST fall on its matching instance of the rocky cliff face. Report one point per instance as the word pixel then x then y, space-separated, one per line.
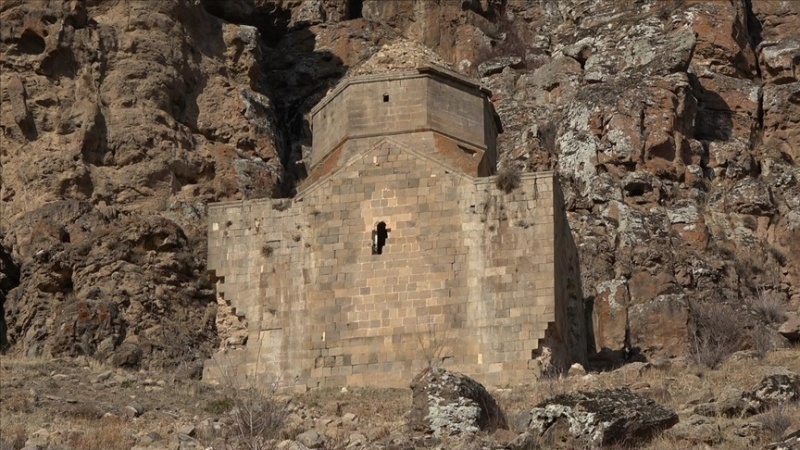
pixel 120 121
pixel 673 126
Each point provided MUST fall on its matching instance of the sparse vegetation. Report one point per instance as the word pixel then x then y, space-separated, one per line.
pixel 761 341
pixel 282 205
pixel 258 417
pixel 548 134
pixel 777 254
pixel 505 41
pixel 84 411
pixel 768 308
pixel 376 409
pixel 110 433
pixel 20 402
pixel 219 406
pixel 258 414
pixel 508 178
pixel 716 334
pixel 13 437
pixel 267 251
pixel 434 346
pixel 776 421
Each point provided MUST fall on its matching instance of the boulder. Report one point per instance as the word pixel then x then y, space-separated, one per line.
pixel 789 442
pixel 448 404
pixel 311 439
pixel 496 65
pixel 772 391
pixel 598 418
pixel 290 445
pixel 791 329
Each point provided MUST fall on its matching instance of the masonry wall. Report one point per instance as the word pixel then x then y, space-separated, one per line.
pixel 467 277
pixel 456 112
pixel 393 105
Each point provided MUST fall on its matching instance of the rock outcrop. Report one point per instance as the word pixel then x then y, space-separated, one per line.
pixel 446 404
pixel 120 121
pixel 673 127
pixel 789 442
pixel 596 419
pixel 770 392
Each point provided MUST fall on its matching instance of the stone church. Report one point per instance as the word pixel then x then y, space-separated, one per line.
pixel 401 249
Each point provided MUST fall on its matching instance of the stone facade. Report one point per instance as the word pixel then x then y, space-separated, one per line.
pixel 399 250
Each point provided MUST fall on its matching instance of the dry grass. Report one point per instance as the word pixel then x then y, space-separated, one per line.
pixel 375 406
pixel 716 334
pixel 777 420
pixel 762 340
pixel 13 437
pixel 106 434
pixel 769 309
pixel 258 417
pixel 379 412
pixel 675 387
pixel 20 402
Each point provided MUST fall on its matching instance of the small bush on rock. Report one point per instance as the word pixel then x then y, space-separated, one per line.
pixel 508 179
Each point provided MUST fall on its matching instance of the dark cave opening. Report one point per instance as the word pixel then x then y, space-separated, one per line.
pixel 355 9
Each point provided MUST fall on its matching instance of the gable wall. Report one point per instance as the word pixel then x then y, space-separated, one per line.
pixel 467 275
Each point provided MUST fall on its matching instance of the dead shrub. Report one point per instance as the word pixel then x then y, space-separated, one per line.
pixel 761 340
pixel 434 345
pixel 219 406
pixel 505 41
pixel 776 421
pixel 778 255
pixel 108 434
pixel 20 402
pixel 258 417
pixel 13 437
pixel 769 309
pixel 508 179
pixel 282 205
pixel 548 137
pixel 716 334
pixel 83 411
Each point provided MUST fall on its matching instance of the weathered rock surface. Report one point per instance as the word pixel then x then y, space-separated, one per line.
pixel 771 391
pixel 774 390
pixel 449 404
pixel 120 121
pixel 673 126
pixel 598 418
pixel 791 328
pixel 789 442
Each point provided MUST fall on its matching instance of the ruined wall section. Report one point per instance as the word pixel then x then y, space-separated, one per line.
pixel 258 253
